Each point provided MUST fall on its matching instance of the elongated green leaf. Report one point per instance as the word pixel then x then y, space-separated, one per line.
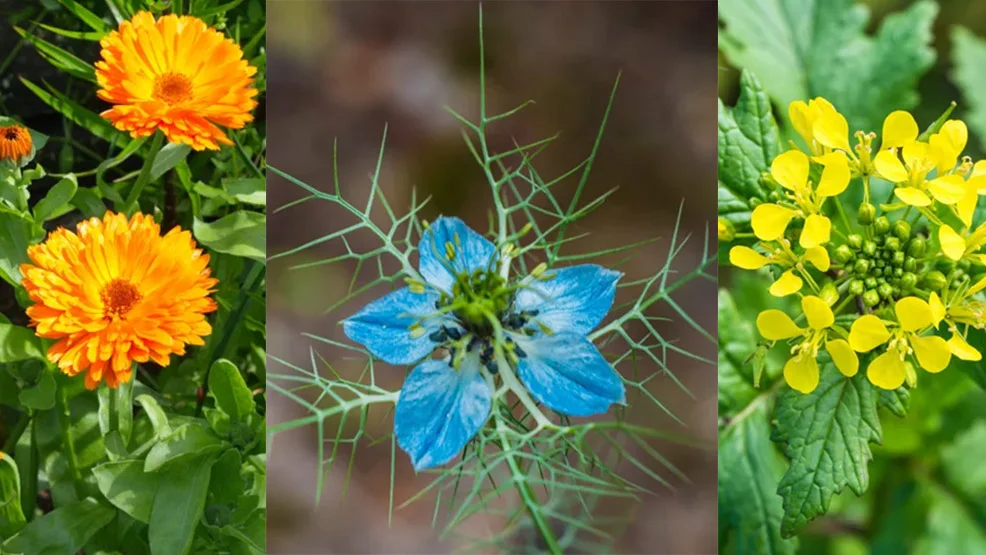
pixel 128 487
pixel 18 343
pixel 92 20
pixel 241 233
pixel 93 36
pixel 968 59
pixel 78 114
pixel 748 142
pixel 749 468
pixel 64 530
pixel 188 440
pixel 11 515
pixel 60 58
pixel 116 410
pixel 168 157
pixel 178 505
pixel 56 201
pixel 159 420
pixel 801 50
pixel 230 390
pixel 826 434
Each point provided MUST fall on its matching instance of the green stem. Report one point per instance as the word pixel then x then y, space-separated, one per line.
pixel 145 174
pixel 16 433
pixel 65 423
pixel 29 476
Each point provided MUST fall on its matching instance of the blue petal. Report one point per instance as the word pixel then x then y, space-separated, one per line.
pixel 383 326
pixel 439 410
pixel 567 374
pixel 575 300
pixel 471 252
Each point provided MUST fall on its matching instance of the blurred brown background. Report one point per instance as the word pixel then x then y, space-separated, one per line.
pixel 341 70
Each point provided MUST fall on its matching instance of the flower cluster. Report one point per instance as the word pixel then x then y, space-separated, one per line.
pixel 893 284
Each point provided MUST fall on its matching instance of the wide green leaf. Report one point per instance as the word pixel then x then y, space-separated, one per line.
pixel 128 487
pixel 64 530
pixel 749 468
pixel 168 157
pixel 968 59
pixel 801 49
pixel 962 463
pixel 748 142
pixel 242 233
pixel 11 515
pixel 826 434
pixel 736 344
pixel 186 441
pixel 950 528
pixel 19 343
pixel 178 505
pixel 56 202
pixel 16 234
pixel 232 395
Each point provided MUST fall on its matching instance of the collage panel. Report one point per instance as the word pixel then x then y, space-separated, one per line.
pixel 851 311
pixel 132 277
pixel 493 277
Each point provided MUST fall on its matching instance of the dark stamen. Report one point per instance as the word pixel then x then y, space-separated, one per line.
pixel 519 352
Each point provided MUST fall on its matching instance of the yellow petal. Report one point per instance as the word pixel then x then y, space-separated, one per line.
pixel 913 313
pixel 946 145
pixel 819 257
pixel 817 231
pixel 914 153
pixel 801 373
pixel 952 244
pixel 887 371
pixel 912 196
pixel 978 181
pixel 978 169
pixel 967 206
pixel 769 221
pixel 899 128
pixel 890 167
pixel 938 308
pixel 947 189
pixel 843 356
pixel 933 352
pixel 785 285
pixel 802 118
pixel 747 258
pixel 867 333
pixel 790 169
pixel 832 130
pixel 775 325
pixel 978 286
pixel 818 312
pixel 961 349
pixel 835 176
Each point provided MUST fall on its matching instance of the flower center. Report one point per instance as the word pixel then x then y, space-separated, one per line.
pixel 119 297
pixel 172 88
pixel 11 134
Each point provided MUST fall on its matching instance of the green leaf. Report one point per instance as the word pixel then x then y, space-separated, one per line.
pixel 230 390
pixel 748 142
pixel 974 369
pixel 896 401
pixel 128 487
pixel 55 203
pixel 11 516
pixel 16 234
pixel 826 434
pixel 962 463
pixel 801 50
pixel 749 468
pixel 41 395
pixel 185 441
pixel 18 343
pixel 168 157
pixel 60 58
pixel 950 529
pixel 92 20
pixel 178 505
pixel 226 484
pixel 736 344
pixel 241 233
pixel 116 410
pixel 159 420
pixel 250 190
pixel 968 59
pixel 82 116
pixel 64 530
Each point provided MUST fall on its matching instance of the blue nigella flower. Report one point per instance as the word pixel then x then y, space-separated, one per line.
pixel 544 318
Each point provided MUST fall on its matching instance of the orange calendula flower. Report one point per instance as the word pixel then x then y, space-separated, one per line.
pixel 15 143
pixel 178 75
pixel 116 292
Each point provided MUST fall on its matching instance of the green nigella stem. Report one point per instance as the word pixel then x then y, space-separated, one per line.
pixel 145 174
pixel 65 423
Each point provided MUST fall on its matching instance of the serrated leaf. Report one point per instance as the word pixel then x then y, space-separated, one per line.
pixel 801 50
pixel 748 140
pixel 826 434
pixel 896 401
pixel 736 344
pixel 749 468
pixel 968 60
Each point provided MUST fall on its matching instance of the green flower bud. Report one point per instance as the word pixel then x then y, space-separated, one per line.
pixel 842 254
pixel 956 276
pixel 892 244
pixel 898 259
pixel 964 264
pixel 755 202
pixel 866 213
pixel 880 281
pixel 829 293
pixel 879 240
pixel 870 282
pixel 774 196
pixel 726 230
pixel 856 287
pixel 871 298
pixel 869 248
pixel 878 271
pixel 885 291
pixel 910 264
pixel 896 291
pixel 881 225
pixel 902 230
pixel 880 263
pixel 898 272
pixel 863 265
pixel 855 240
pixel 908 281
pixel 916 247
pixel 934 280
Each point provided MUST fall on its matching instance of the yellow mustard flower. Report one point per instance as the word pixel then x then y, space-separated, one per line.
pixel 899 129
pixel 726 230
pixel 959 308
pixel 801 370
pixel 909 172
pixel 818 111
pixel 957 247
pixel 784 257
pixel 790 170
pixel 889 370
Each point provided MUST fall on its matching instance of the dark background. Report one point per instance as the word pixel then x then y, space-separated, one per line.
pixel 342 70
